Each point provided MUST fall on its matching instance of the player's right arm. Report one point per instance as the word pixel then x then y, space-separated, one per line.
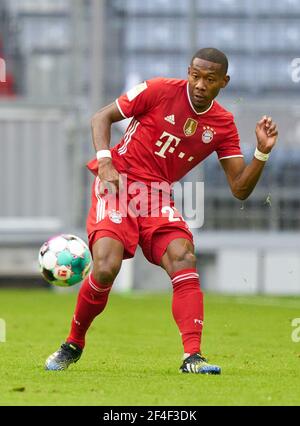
pixel 136 102
pixel 101 124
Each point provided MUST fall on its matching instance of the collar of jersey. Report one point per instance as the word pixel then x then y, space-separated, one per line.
pixel 190 102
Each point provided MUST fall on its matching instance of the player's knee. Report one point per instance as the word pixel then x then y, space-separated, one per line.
pixel 189 259
pixel 183 260
pixel 105 270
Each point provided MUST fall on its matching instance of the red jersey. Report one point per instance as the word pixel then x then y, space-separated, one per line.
pixel 167 137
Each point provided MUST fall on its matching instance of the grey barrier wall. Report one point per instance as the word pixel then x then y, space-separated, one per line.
pixel 36 168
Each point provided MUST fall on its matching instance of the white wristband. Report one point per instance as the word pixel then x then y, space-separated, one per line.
pixel 261 156
pixel 103 153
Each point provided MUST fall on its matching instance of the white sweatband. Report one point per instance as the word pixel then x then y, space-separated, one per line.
pixel 103 153
pixel 261 156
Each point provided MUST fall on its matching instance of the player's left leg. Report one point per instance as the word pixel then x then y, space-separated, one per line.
pixel 179 261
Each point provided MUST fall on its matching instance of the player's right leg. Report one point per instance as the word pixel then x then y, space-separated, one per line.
pixel 91 301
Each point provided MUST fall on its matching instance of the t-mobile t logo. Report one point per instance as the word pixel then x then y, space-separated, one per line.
pixel 2 71
pixel 166 145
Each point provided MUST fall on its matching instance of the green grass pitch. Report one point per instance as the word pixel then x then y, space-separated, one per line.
pixel 134 351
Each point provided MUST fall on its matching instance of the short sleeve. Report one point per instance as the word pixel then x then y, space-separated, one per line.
pixel 229 147
pixel 140 99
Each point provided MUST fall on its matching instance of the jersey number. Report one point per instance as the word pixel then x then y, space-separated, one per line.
pixel 171 212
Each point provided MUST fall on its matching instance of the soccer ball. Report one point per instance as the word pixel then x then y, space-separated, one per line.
pixel 64 260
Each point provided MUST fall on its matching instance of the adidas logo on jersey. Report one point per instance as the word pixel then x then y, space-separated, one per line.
pixel 170 119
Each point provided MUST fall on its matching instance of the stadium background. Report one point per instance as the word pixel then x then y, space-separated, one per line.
pixel 65 59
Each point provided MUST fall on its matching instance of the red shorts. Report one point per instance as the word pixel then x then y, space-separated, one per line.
pixel 120 217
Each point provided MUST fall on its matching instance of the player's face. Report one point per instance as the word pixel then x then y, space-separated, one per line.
pixel 205 81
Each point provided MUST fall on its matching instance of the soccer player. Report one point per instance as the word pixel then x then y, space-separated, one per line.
pixel 176 124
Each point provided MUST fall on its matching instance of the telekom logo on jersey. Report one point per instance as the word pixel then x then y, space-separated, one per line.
pixel 167 146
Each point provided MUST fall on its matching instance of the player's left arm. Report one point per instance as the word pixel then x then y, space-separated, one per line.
pixel 243 178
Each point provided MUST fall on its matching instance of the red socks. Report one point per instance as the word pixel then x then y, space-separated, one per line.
pixel 187 308
pixel 91 301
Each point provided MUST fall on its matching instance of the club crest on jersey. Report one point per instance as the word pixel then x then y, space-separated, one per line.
pixel 190 127
pixel 115 216
pixel 208 134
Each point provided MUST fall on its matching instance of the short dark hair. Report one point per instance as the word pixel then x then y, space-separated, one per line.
pixel 213 55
